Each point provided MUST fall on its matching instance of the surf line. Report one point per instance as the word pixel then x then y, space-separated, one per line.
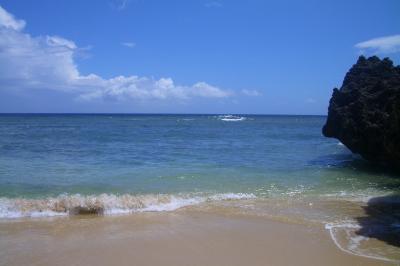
pixel 330 227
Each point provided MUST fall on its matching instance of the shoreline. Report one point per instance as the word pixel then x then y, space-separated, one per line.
pixel 212 235
pixel 124 204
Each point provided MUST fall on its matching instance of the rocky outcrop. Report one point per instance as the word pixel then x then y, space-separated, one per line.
pixel 364 114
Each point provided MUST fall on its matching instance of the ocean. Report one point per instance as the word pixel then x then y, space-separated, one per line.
pixel 112 164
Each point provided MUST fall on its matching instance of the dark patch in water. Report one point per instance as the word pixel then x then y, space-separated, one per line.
pixel 382 220
pixel 341 160
pixel 86 211
pixel 353 162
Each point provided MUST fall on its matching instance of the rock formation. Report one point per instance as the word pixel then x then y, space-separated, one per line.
pixel 364 114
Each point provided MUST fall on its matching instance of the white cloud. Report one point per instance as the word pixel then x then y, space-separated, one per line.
pixel 129 44
pixel 60 42
pixel 8 21
pixel 47 62
pixel 206 90
pixel 387 44
pixel 134 87
pixel 35 62
pixel 251 92
pixel 120 4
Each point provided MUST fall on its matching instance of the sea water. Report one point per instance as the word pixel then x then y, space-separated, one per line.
pixel 45 156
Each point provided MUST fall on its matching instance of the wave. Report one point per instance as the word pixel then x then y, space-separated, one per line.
pixel 231 118
pixel 105 204
pixel 361 196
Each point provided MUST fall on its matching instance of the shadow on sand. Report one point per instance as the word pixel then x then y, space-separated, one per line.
pixel 382 220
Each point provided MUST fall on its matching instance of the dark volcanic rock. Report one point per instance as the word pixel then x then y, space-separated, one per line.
pixel 364 114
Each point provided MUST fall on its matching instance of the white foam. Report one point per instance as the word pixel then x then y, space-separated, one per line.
pixel 232 196
pixel 395 225
pixel 357 196
pixel 107 204
pixel 38 214
pixel 345 224
pixel 353 241
pixel 174 204
pixel 356 241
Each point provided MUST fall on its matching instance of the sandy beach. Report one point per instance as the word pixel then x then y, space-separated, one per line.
pixel 183 237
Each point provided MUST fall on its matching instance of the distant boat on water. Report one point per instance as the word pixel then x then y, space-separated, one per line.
pixel 231 118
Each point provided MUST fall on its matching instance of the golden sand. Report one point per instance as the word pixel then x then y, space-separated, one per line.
pixel 185 237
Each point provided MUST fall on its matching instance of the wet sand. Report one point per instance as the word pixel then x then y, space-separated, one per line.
pixel 184 237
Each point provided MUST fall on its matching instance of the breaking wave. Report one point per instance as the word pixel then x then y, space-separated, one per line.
pixel 104 204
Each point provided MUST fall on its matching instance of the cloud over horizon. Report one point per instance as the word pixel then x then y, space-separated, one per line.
pixel 384 45
pixel 47 62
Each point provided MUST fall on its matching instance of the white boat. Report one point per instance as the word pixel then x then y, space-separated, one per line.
pixel 231 118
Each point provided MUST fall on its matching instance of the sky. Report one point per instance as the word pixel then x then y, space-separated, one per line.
pixel 199 56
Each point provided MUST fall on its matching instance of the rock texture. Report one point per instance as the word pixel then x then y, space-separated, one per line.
pixel 364 114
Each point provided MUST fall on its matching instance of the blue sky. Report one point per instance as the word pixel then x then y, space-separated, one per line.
pixel 263 57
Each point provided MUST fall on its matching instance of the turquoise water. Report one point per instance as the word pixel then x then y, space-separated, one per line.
pixel 45 156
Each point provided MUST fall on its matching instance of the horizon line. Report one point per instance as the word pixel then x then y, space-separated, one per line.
pixel 149 113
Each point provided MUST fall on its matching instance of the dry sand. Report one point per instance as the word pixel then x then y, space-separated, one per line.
pixel 172 238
